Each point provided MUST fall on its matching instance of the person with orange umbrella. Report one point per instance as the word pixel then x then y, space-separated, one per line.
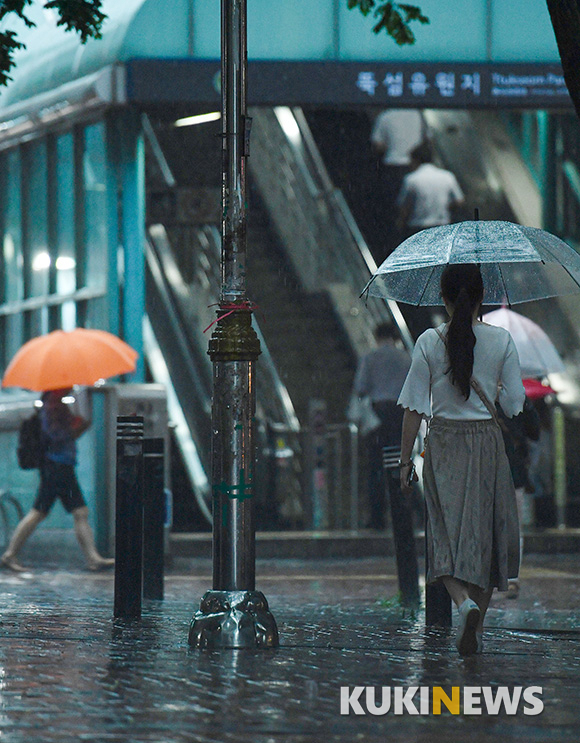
pixel 54 363
pixel 60 428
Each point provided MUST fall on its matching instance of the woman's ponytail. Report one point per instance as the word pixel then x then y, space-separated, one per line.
pixel 462 287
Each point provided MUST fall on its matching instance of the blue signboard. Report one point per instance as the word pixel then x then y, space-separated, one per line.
pixel 444 85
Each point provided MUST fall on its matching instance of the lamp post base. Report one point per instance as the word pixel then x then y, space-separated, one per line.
pixel 233 619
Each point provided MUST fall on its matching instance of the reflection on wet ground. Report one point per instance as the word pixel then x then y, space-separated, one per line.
pixel 68 672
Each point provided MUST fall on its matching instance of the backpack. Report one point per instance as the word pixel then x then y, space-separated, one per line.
pixel 31 447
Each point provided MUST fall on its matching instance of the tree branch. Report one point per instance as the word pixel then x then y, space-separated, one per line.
pixel 394 18
pixel 82 16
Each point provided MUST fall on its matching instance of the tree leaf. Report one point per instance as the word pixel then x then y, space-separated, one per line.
pixel 83 16
pixel 394 18
pixel 16 6
pixel 413 13
pixel 8 45
pixel 365 6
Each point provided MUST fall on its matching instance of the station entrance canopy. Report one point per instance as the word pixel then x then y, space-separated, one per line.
pixel 152 51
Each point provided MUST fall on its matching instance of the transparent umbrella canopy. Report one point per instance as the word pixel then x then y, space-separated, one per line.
pixel 538 355
pixel 518 263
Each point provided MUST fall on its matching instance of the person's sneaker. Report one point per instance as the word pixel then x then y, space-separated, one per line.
pixel 12 564
pixel 513 590
pixel 104 563
pixel 466 641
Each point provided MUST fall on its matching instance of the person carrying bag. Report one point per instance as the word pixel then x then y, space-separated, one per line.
pixel 472 527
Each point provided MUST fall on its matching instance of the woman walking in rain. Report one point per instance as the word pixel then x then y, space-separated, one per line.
pixel 457 373
pixel 60 429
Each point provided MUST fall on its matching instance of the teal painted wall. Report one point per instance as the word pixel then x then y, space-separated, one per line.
pixel 467 31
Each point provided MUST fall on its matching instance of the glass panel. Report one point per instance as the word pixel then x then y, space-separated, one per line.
pixel 300 29
pixel 94 173
pixel 66 281
pixel 12 252
pixel 37 258
pixel 97 313
pixel 39 322
pixel 14 334
pixel 12 238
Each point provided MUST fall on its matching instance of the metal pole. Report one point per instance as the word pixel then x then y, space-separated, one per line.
pixel 353 433
pixel 233 614
pixel 403 531
pixel 129 518
pixel 153 518
pixel 559 449
pixel 318 463
pixel 437 599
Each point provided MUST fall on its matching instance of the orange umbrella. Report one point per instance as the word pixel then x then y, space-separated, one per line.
pixel 62 359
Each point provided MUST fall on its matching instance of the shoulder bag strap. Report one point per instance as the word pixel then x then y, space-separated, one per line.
pixel 487 402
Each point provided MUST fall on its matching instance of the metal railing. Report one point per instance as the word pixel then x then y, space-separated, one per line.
pixel 338 477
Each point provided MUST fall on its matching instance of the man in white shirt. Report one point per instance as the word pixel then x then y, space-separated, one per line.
pixel 394 134
pixel 428 195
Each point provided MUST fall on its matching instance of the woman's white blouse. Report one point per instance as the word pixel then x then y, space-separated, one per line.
pixel 496 367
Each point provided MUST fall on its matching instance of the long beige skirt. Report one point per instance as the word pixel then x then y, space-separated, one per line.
pixel 472 521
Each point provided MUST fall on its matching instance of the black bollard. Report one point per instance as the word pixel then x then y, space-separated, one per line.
pixel 129 518
pixel 403 532
pixel 437 599
pixel 153 518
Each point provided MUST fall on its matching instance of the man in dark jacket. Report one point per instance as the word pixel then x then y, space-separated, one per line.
pixel 380 376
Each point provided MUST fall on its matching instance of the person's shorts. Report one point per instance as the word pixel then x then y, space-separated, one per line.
pixel 58 481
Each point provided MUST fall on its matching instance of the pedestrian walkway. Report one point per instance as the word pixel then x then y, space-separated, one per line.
pixel 69 672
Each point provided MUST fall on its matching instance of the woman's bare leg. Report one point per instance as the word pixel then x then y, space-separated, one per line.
pixel 86 539
pixel 456 588
pixel 482 598
pixel 24 529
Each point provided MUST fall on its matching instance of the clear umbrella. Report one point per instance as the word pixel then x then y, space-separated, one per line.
pixel 538 355
pixel 518 263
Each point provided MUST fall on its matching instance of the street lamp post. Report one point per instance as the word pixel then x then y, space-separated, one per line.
pixel 233 614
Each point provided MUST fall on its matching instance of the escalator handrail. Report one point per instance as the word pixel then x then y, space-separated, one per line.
pixel 155 264
pixel 360 262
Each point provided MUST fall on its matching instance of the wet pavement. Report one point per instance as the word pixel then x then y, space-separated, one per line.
pixel 69 672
